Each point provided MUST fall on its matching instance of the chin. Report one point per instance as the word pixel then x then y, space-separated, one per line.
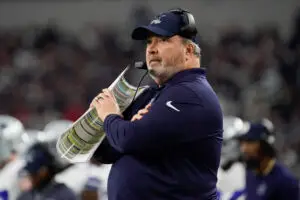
pixel 154 76
pixel 152 73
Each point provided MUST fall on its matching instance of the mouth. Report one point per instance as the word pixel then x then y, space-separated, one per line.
pixel 153 61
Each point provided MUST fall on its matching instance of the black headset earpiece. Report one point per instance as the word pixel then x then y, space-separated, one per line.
pixel 189 25
pixel 269 136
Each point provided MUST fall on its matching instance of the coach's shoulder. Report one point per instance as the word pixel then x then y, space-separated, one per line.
pixel 194 92
pixel 180 92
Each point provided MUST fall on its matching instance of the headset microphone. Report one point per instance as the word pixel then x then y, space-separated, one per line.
pixel 140 65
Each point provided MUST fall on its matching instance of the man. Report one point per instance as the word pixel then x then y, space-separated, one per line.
pixel 167 144
pixel 37 177
pixel 80 177
pixel 266 178
pixel 11 132
pixel 88 180
pixel 95 185
pixel 231 174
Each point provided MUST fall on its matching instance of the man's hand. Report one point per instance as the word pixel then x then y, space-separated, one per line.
pixel 106 104
pixel 141 113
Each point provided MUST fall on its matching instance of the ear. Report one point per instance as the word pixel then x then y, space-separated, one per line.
pixel 189 49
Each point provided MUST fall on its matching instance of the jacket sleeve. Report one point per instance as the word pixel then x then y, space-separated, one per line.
pixel 178 116
pixel 105 153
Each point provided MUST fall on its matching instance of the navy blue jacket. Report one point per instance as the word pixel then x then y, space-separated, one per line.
pixel 279 184
pixel 173 152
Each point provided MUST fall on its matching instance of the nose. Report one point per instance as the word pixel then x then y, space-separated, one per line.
pixel 152 51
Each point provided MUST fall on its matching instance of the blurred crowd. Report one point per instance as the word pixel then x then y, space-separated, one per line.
pixel 257 74
pixel 49 73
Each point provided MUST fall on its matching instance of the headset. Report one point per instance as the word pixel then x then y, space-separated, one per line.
pixel 268 134
pixel 267 130
pixel 188 29
pixel 267 139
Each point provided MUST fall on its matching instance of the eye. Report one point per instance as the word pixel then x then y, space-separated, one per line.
pixel 164 39
pixel 148 41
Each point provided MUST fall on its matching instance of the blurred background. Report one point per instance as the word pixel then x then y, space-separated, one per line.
pixel 55 56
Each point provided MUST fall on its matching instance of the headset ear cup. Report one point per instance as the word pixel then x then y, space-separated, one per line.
pixel 190 24
pixel 189 27
pixel 271 139
pixel 269 130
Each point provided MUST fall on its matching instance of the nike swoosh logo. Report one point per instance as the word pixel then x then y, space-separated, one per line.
pixel 169 104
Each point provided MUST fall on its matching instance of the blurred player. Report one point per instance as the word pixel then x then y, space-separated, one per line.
pixel 95 185
pixel 266 178
pixel 9 180
pixel 91 189
pixel 11 130
pixel 87 180
pixel 14 140
pixel 38 174
pixel 231 175
pixel 54 128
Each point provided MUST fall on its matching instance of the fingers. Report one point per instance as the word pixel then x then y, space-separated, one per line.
pixel 101 96
pixel 108 93
pixel 136 117
pixel 143 111
pixel 97 99
pixel 93 103
pixel 105 94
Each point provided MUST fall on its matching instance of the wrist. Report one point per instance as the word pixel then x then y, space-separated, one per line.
pixel 105 115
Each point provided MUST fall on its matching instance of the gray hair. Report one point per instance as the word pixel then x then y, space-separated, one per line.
pixel 197 50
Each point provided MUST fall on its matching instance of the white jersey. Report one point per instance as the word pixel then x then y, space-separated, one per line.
pixel 9 186
pixel 231 181
pixel 76 176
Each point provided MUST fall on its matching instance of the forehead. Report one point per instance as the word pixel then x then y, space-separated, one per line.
pixel 174 38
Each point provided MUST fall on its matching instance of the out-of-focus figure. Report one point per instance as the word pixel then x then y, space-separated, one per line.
pixel 231 175
pixel 14 140
pixel 89 179
pixel 11 130
pixel 266 177
pixel 38 175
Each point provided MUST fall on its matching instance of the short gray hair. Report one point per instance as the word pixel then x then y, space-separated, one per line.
pixel 197 50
